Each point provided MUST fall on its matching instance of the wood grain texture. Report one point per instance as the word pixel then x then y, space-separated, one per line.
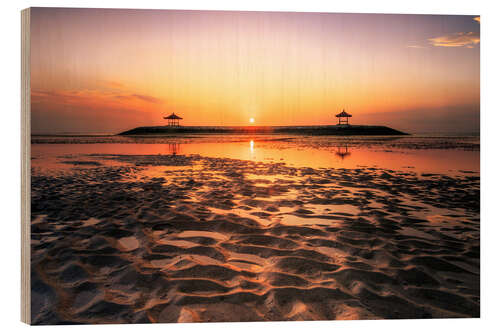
pixel 25 166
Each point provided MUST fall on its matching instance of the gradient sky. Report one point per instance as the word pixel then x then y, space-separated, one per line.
pixel 108 70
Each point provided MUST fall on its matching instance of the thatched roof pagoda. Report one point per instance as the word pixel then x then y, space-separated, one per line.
pixel 343 117
pixel 173 119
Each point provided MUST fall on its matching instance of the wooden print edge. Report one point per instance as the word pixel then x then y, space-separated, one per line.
pixel 25 166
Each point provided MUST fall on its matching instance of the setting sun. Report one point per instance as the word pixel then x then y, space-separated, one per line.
pixel 357 195
pixel 211 75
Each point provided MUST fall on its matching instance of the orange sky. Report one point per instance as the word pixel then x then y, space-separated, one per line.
pixel 111 70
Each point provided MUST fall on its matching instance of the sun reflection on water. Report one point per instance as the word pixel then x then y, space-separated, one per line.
pixel 446 161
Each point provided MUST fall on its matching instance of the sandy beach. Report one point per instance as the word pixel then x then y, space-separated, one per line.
pixel 235 166
pixel 135 238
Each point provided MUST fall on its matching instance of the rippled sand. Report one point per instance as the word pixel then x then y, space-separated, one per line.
pixel 157 238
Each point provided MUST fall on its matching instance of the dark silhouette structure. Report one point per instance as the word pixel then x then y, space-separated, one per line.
pixel 343 118
pixel 173 120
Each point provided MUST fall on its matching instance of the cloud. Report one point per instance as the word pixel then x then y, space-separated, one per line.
pixel 147 98
pixel 462 118
pixel 144 98
pixel 416 47
pixel 478 19
pixel 111 100
pixel 459 39
pixel 62 96
pixel 112 84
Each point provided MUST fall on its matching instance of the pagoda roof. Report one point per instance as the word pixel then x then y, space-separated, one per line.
pixel 343 114
pixel 172 116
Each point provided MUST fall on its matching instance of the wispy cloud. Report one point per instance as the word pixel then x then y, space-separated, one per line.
pixel 459 39
pixel 478 19
pixel 147 98
pixel 416 47
pixel 112 84
pixel 86 97
pixel 144 98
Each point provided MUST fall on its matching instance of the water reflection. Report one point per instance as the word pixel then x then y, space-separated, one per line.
pixel 445 161
pixel 343 151
pixel 174 148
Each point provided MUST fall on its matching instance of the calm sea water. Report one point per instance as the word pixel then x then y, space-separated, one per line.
pixel 424 153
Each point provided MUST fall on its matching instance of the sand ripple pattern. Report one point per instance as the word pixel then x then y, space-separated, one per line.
pixel 189 239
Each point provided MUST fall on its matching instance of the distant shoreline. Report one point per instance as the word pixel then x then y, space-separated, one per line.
pixel 297 130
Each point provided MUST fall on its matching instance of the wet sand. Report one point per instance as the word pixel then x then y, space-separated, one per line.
pixel 187 238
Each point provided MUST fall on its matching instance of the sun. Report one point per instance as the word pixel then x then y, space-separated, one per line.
pixel 251 120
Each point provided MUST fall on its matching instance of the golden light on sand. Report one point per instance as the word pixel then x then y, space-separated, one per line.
pixel 251 120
